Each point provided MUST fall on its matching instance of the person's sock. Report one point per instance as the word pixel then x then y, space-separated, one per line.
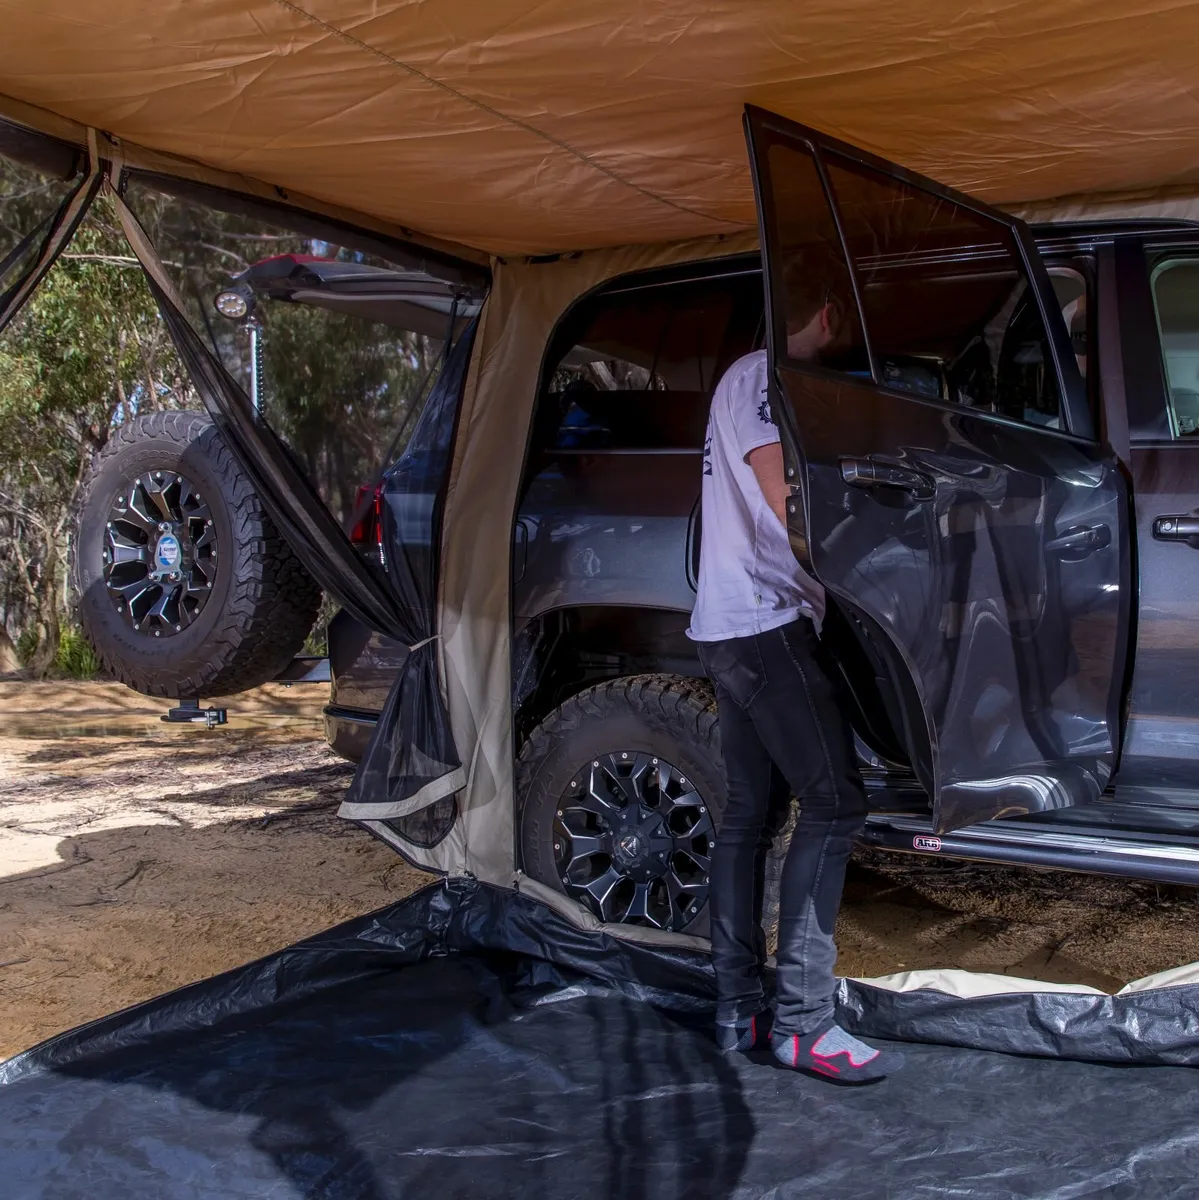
pixel 750 1034
pixel 835 1054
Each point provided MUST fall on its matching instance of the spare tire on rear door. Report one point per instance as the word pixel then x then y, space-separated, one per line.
pixel 185 587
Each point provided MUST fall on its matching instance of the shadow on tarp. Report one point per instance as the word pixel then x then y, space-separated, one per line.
pixel 469 1041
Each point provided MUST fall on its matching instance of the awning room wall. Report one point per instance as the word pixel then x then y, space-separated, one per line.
pixel 526 302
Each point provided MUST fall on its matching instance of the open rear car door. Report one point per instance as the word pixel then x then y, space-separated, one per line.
pixel 955 499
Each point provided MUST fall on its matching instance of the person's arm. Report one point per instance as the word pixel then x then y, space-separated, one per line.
pixel 767 464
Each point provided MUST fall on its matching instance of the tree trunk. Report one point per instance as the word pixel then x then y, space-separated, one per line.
pixel 49 617
pixel 48 632
pixel 8 654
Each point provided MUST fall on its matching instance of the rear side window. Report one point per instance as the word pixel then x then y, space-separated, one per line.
pixel 1176 302
pixel 813 293
pixel 947 302
pixel 634 368
pixel 338 346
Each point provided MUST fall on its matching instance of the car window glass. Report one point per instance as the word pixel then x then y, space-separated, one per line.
pixel 814 307
pixel 339 346
pixel 1176 302
pixel 947 302
pixel 1070 290
pixel 635 368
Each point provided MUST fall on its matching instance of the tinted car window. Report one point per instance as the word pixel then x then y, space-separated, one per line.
pixel 947 303
pixel 634 368
pixel 341 346
pixel 812 283
pixel 1176 301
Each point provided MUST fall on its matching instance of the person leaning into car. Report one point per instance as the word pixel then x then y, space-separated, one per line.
pixel 756 624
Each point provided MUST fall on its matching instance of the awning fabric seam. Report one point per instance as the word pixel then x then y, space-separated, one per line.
pixel 483 106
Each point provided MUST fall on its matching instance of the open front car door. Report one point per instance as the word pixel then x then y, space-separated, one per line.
pixel 950 492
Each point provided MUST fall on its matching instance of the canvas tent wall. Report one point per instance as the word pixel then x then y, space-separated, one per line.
pixel 606 134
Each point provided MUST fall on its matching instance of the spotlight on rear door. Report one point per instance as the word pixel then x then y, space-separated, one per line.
pixel 233 304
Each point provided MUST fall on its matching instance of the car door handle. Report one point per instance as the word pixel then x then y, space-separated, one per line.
pixel 1081 540
pixel 871 473
pixel 1177 529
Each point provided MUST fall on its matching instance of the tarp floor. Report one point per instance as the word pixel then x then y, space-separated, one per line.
pixel 468 1041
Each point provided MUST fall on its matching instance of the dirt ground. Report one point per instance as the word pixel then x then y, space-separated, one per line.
pixel 135 857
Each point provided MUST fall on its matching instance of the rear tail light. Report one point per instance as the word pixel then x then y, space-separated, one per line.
pixel 367 530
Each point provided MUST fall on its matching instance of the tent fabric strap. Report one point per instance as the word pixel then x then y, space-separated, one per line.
pixel 140 244
pixel 436 789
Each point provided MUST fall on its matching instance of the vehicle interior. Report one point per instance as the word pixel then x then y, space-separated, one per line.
pixel 635 366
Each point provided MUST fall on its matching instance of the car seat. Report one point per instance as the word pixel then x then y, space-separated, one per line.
pixel 1185 402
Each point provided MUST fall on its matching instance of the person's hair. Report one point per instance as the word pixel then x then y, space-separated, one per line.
pixel 813 276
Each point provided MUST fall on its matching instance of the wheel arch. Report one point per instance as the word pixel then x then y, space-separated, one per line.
pixel 561 652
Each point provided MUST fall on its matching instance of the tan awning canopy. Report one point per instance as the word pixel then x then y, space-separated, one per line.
pixel 520 126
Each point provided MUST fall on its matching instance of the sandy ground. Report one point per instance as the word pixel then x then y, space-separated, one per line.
pixel 903 912
pixel 135 857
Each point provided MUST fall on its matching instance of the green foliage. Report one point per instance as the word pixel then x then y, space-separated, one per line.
pixel 75 658
pixel 317 641
pixel 26 646
pixel 327 371
pixel 88 350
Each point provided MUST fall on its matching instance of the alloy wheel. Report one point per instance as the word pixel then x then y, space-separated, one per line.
pixel 160 553
pixel 633 841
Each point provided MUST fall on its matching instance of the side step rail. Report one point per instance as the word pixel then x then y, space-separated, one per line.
pixel 1092 853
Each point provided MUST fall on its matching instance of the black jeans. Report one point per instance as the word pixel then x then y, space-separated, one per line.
pixel 783 731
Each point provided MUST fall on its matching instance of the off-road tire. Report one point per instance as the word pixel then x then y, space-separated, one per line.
pixel 670 716
pixel 263 601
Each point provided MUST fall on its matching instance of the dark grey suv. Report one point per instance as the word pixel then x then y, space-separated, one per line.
pixel 991 475
pixel 605 552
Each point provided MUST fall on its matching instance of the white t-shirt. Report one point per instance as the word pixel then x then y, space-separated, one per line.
pixel 749 581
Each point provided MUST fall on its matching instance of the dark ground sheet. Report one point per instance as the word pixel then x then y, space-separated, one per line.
pixel 470 1042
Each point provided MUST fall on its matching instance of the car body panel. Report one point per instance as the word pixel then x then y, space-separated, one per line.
pixel 1160 762
pixel 608 528
pixel 1161 745
pixel 1011 642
